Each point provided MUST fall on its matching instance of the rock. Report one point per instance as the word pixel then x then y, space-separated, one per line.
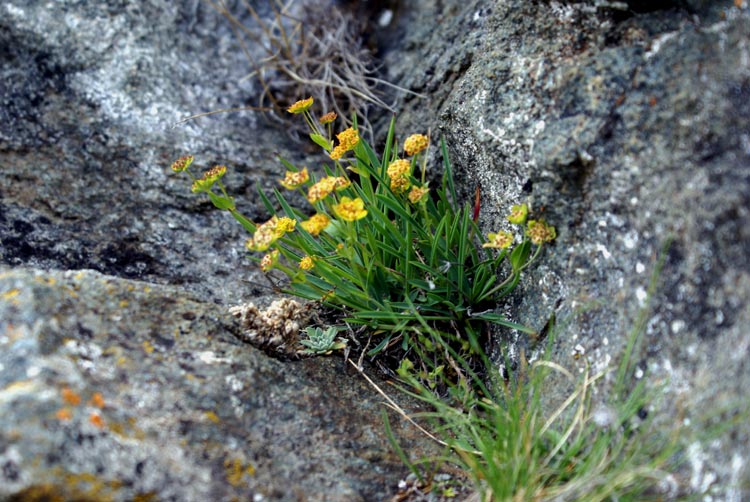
pixel 625 131
pixel 112 389
pixel 113 385
pixel 91 97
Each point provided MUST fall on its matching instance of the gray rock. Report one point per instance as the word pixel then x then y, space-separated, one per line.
pixel 116 389
pixel 91 95
pixel 623 131
pixel 113 389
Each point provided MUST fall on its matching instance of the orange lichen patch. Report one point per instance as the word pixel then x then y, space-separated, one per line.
pixel 236 470
pixel 123 304
pixel 64 414
pixel 148 347
pixel 70 397
pixel 97 420
pixel 210 415
pixel 97 400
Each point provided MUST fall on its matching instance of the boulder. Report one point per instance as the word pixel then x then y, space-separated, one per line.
pixel 122 374
pixel 628 129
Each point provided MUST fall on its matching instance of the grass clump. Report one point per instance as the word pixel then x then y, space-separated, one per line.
pixel 403 260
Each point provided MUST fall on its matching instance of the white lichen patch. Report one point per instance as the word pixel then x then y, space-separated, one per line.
pixel 275 328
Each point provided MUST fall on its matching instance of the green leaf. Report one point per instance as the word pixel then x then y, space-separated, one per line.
pixel 321 142
pixel 220 201
pixel 520 255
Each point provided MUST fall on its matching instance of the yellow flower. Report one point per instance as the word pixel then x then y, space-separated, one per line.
pixel 320 190
pixel 306 263
pixel 350 210
pixel 328 118
pixel 209 178
pixel 264 235
pixel 500 240
pixel 399 171
pixel 293 180
pixel 415 144
pixel 324 187
pixel 540 232
pixel 339 183
pixel 269 260
pixel 301 106
pixel 283 226
pixel 518 214
pixel 182 163
pixel 348 139
pixel 400 184
pixel 337 152
pixel 398 168
pixel 417 193
pixel 316 224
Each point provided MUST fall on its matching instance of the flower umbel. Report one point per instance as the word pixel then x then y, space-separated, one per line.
pixel 293 180
pixel 306 263
pixel 324 187
pixel 301 106
pixel 328 118
pixel 316 224
pixel 539 232
pixel 269 260
pixel 415 144
pixel 350 210
pixel 182 163
pixel 399 171
pixel 500 240
pixel 417 194
pixel 284 225
pixel 348 139
pixel 518 214
pixel 265 235
pixel 209 178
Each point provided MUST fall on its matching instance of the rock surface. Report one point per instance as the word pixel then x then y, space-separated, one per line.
pixel 622 126
pixel 113 389
pixel 624 129
pixel 114 386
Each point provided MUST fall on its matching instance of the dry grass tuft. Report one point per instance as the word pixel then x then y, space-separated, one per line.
pixel 308 49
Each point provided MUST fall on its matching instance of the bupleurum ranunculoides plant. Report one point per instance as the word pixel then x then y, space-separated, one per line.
pixel 376 242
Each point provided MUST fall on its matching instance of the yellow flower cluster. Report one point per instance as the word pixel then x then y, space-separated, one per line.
pixel 417 194
pixel 324 187
pixel 350 210
pixel 301 106
pixel 209 178
pixel 293 180
pixel 540 232
pixel 182 163
pixel 348 139
pixel 316 224
pixel 415 144
pixel 269 232
pixel 399 171
pixel 306 263
pixel 500 240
